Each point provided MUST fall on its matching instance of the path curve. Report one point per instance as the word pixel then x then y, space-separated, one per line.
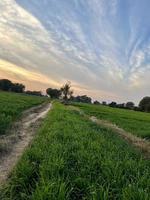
pixel 19 138
pixel 141 144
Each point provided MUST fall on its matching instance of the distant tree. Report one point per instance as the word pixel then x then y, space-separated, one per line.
pixel 130 105
pixel 104 103
pixel 17 87
pixel 113 104
pixel 145 104
pixel 82 99
pixel 66 91
pixel 35 93
pixel 96 102
pixel 121 105
pixel 53 93
pixel 148 107
pixel 85 99
pixel 5 85
pixel 136 108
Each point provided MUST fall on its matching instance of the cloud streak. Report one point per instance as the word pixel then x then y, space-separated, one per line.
pixel 24 74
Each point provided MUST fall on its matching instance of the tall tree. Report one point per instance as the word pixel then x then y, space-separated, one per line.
pixel 66 91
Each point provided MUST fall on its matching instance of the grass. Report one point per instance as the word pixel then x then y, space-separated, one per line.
pixel 11 106
pixel 137 123
pixel 72 158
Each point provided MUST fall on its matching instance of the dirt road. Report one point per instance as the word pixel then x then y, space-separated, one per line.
pixel 18 139
pixel 141 144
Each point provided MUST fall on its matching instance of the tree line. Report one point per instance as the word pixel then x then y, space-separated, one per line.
pixel 65 93
pixel 9 86
pixel 144 104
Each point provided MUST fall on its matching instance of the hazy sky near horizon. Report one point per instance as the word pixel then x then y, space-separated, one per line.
pixel 102 47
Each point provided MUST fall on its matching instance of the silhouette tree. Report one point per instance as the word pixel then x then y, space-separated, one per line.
pixel 53 93
pixel 35 93
pixel 104 103
pixel 66 91
pixel 96 102
pixel 5 85
pixel 84 99
pixel 113 104
pixel 17 87
pixel 130 105
pixel 121 105
pixel 144 104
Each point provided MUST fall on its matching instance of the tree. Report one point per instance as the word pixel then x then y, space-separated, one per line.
pixel 66 91
pixel 130 105
pixel 145 104
pixel 5 85
pixel 136 108
pixel 17 87
pixel 96 102
pixel 148 107
pixel 104 103
pixel 35 93
pixel 113 104
pixel 82 99
pixel 53 93
pixel 121 105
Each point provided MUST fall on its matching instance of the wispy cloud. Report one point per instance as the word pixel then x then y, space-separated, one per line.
pixel 98 45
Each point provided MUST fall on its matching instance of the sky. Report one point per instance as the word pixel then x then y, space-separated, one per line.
pixel 102 47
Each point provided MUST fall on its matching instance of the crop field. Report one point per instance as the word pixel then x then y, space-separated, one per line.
pixel 137 123
pixel 73 158
pixel 11 106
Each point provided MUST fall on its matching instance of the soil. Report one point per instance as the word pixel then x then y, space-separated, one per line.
pixel 13 144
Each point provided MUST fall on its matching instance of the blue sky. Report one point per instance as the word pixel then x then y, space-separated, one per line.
pixel 102 47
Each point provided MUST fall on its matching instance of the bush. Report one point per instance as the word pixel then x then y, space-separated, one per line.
pixel 144 104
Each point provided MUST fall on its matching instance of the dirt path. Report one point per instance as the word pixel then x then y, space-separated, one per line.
pixel 19 138
pixel 142 144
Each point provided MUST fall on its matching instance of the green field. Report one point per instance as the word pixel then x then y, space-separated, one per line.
pixel 73 158
pixel 11 106
pixel 135 122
